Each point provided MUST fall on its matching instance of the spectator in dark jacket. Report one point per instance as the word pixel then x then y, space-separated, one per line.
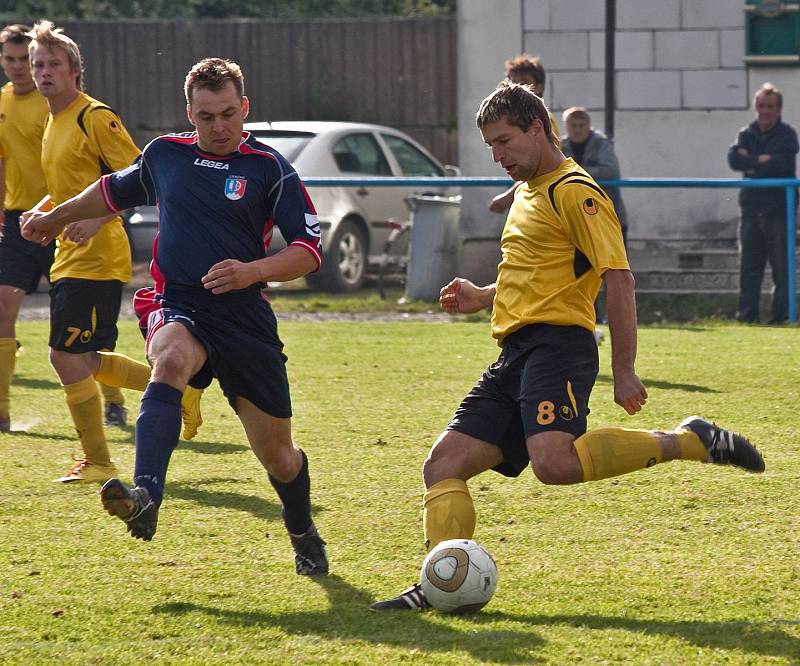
pixel 594 151
pixel 766 148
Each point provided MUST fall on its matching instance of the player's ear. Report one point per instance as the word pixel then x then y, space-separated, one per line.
pixel 245 106
pixel 189 115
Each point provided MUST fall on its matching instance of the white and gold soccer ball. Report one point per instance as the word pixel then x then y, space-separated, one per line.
pixel 458 576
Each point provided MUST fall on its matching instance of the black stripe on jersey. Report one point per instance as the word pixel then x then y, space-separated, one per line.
pixel 90 107
pixel 580 263
pixel 578 178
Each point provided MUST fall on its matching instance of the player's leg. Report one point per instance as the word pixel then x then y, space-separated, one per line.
pixel 22 265
pixel 10 301
pixel 485 433
pixel 177 355
pixel 286 464
pixel 83 320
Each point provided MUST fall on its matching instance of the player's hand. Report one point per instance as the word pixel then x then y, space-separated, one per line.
pixel 461 297
pixel 81 232
pixel 629 392
pixel 229 275
pixel 37 228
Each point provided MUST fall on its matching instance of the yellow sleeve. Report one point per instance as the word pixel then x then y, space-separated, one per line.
pixel 110 139
pixel 591 223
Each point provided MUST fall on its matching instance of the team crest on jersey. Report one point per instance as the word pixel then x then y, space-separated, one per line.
pixel 590 206
pixel 235 187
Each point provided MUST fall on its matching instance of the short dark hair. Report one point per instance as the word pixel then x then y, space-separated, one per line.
pixel 15 33
pixel 526 65
pixel 518 104
pixel 213 74
pixel 770 89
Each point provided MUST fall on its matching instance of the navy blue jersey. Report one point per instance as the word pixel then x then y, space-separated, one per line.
pixel 213 207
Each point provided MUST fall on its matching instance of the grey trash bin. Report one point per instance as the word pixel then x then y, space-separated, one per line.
pixel 434 245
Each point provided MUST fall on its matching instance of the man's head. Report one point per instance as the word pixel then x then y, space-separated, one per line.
pixel 578 124
pixel 768 103
pixel 515 124
pixel 216 104
pixel 527 70
pixel 56 62
pixel 14 49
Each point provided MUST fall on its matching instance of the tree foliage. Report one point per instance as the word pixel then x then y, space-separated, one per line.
pixel 220 9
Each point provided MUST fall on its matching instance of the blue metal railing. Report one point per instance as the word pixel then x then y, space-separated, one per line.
pixel 789 184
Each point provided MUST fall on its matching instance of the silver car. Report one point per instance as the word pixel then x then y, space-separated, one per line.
pixel 355 221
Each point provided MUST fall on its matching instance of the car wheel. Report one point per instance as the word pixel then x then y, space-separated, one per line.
pixel 345 263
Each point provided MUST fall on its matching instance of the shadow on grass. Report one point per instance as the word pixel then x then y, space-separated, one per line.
pixel 36 383
pixel 348 618
pixel 661 384
pixel 255 505
pixel 60 437
pixel 211 448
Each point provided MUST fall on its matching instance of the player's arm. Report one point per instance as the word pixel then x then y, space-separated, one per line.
pixel 502 202
pixel 629 392
pixel 289 264
pixel 42 227
pixel 739 157
pixel 2 194
pixel 460 296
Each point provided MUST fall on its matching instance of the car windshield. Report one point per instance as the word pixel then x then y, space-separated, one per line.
pixel 288 144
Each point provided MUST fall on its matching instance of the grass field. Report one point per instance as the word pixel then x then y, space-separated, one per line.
pixel 680 564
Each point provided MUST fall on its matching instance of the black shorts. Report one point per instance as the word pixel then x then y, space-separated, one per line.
pixel 83 314
pixel 541 382
pixel 22 263
pixel 239 332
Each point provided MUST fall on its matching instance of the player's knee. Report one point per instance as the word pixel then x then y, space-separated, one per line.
pixel 172 367
pixel 553 471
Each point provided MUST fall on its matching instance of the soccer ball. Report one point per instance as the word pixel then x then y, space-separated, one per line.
pixel 458 576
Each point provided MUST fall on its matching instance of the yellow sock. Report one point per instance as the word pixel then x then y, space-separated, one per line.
pixel 8 358
pixel 83 400
pixel 120 370
pixel 608 452
pixel 691 446
pixel 447 512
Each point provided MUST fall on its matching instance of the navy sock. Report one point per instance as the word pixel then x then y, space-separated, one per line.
pixel 157 429
pixel 295 499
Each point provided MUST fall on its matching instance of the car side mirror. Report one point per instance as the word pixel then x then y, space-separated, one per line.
pixel 452 171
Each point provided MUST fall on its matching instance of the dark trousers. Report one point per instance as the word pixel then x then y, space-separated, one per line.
pixel 762 238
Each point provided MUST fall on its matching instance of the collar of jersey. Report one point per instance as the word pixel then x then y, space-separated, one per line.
pixel 219 158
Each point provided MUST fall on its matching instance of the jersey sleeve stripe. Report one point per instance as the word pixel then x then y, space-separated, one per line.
pixel 572 177
pixel 105 190
pixel 313 249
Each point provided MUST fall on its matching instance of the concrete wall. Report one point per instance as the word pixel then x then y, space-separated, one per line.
pixel 681 85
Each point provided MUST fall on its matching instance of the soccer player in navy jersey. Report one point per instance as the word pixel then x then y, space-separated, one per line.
pixel 220 192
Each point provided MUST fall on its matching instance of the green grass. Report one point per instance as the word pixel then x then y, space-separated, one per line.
pixel 680 564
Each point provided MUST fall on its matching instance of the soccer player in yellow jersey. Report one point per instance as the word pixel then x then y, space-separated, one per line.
pixel 83 139
pixel 561 240
pixel 23 112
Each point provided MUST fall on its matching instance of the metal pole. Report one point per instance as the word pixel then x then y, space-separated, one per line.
pixel 791 197
pixel 611 29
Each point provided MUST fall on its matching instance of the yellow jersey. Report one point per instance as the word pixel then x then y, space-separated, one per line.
pixel 81 143
pixel 22 119
pixel 561 235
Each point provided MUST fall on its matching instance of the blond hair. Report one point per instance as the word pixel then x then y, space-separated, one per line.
pixel 44 33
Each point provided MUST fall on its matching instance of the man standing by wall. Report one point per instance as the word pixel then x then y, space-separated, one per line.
pixel 594 151
pixel 23 112
pixel 766 148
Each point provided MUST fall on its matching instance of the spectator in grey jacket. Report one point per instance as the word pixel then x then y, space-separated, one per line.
pixel 594 151
pixel 766 148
